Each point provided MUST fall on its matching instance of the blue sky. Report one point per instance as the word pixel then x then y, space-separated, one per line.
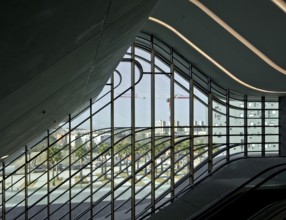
pixel 143 102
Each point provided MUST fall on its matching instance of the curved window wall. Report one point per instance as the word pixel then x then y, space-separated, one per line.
pixel 139 144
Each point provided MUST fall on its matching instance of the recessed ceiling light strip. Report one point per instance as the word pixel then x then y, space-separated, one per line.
pixel 281 4
pixel 238 36
pixel 208 57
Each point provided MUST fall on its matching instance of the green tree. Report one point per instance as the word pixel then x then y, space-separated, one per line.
pixel 122 150
pixel 125 150
pixel 55 155
pixel 101 150
pixel 138 152
pixel 78 141
pixel 198 148
pixel 119 150
pixel 146 148
pixel 127 153
pixel 159 146
pixel 80 154
pixel 181 150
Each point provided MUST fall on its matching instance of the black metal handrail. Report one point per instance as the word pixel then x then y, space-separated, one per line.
pixel 235 194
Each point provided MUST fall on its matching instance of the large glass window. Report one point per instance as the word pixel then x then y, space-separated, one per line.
pixel 137 144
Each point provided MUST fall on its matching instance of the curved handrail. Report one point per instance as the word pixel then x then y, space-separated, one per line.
pixel 216 206
pixel 270 211
pixel 201 180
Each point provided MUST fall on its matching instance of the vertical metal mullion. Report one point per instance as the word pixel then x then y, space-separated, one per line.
pixel 210 127
pixel 153 159
pixel 133 159
pixel 263 125
pixel 3 192
pixel 26 182
pixel 191 128
pixel 91 157
pixel 48 174
pixel 245 127
pixel 112 148
pixel 172 124
pixel 70 170
pixel 227 127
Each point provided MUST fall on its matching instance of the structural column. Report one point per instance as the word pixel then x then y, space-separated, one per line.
pixel 282 125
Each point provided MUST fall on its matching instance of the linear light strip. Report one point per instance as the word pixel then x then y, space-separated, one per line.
pixel 238 36
pixel 208 57
pixel 281 4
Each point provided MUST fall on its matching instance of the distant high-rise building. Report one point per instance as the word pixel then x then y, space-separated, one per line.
pixel 177 124
pixel 160 126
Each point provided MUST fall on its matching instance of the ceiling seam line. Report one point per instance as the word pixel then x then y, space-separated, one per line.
pixel 52 64
pixel 37 105
pixel 92 68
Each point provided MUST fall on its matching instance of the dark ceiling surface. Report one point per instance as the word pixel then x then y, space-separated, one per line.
pixel 55 55
pixel 260 22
